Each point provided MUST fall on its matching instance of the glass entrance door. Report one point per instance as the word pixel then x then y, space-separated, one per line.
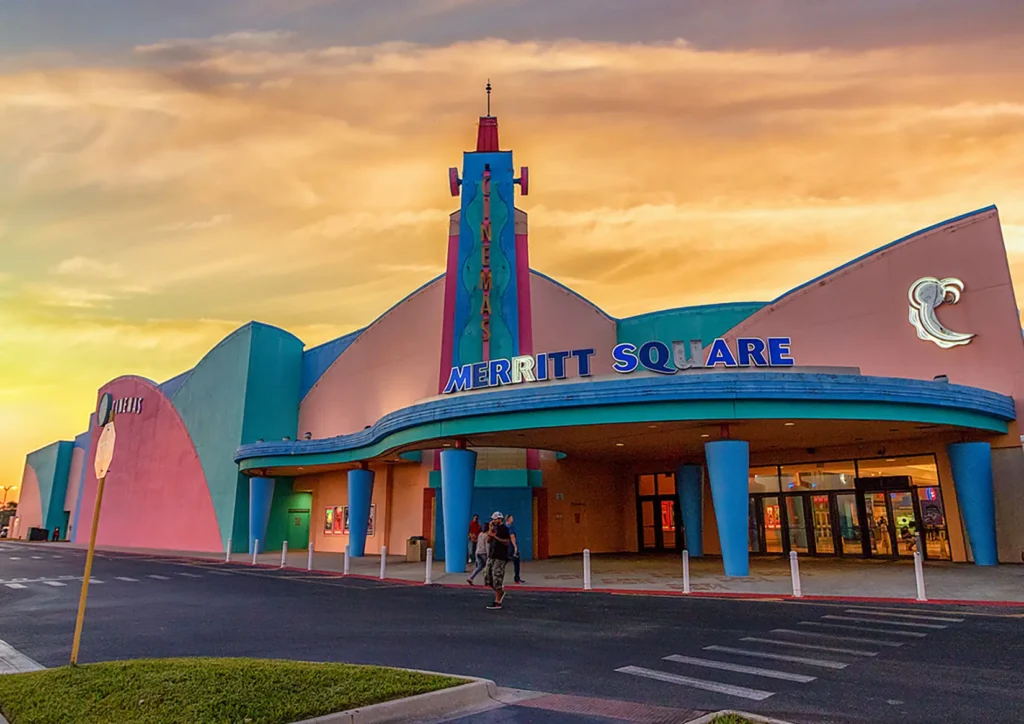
pixel 849 526
pixel 821 517
pixel 796 517
pixel 880 537
pixel 659 528
pixel 901 504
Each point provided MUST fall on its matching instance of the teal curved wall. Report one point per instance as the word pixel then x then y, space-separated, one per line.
pixel 245 389
pixel 52 465
pixel 705 322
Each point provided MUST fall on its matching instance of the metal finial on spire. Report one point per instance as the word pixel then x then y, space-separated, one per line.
pixel 488 97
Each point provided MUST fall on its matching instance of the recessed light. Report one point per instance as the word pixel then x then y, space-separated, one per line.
pixel 620 444
pixel 888 460
pixel 653 427
pixel 790 424
pixel 446 444
pixel 705 435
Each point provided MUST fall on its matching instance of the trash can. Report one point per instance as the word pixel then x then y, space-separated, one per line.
pixel 416 549
pixel 38 533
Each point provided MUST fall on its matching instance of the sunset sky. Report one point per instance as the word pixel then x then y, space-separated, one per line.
pixel 170 170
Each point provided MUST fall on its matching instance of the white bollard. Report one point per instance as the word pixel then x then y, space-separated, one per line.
pixel 383 560
pixel 309 557
pixel 919 576
pixel 686 571
pixel 430 567
pixel 255 550
pixel 586 569
pixel 284 553
pixel 794 571
pixel 344 561
pixel 227 553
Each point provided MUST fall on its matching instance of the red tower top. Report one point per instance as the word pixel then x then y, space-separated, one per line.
pixel 487 134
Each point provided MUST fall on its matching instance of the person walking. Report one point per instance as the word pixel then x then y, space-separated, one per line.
pixel 510 522
pixel 482 544
pixel 474 532
pixel 494 573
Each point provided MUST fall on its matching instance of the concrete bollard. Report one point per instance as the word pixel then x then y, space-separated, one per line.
pixel 227 553
pixel 794 572
pixel 919 576
pixel 430 567
pixel 586 569
pixel 255 550
pixel 344 561
pixel 284 553
pixel 309 557
pixel 686 571
pixel 383 560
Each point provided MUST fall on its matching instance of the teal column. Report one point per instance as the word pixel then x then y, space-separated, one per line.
pixel 458 470
pixel 971 463
pixel 360 497
pixel 689 490
pixel 728 471
pixel 261 496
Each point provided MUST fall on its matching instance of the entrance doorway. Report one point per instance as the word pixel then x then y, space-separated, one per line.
pixel 658 516
pixel 298 529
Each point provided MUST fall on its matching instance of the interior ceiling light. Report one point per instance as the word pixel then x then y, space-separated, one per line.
pixel 653 427
pixel 620 444
pixel 790 424
pixel 705 435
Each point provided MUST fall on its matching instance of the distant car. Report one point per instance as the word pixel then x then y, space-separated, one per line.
pixel 3 531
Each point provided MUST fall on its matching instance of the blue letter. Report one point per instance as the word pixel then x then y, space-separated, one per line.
pixel 720 354
pixel 655 356
pixel 459 379
pixel 500 369
pixel 625 358
pixel 583 356
pixel 479 375
pixel 778 352
pixel 750 349
pixel 559 358
pixel 542 366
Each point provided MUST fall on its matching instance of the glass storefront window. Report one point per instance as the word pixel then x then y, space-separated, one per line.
pixel 772 524
pixel 753 530
pixel 819 476
pixel 646 485
pixel 666 484
pixel 920 470
pixel 764 480
pixel 933 523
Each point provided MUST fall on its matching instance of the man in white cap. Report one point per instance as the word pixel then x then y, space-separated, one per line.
pixel 494 574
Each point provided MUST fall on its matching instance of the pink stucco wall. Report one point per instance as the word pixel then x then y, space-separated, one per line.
pixel 859 315
pixel 392 365
pixel 156 494
pixel 563 320
pixel 30 506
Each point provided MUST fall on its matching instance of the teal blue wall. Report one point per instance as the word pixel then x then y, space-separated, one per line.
pixel 244 389
pixel 513 478
pixel 52 465
pixel 681 325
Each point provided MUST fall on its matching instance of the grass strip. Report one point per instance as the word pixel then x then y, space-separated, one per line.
pixel 201 690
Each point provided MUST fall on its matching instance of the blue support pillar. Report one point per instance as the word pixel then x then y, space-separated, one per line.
pixel 458 470
pixel 728 471
pixel 972 478
pixel 360 496
pixel 689 489
pixel 261 496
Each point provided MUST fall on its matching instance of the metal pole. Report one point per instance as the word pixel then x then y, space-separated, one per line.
pixel 255 550
pixel 794 571
pixel 309 557
pixel 344 561
pixel 430 566
pixel 586 569
pixel 284 553
pixel 227 552
pixel 686 571
pixel 383 560
pixel 919 576
pixel 76 642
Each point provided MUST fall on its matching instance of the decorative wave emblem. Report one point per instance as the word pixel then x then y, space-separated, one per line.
pixel 928 294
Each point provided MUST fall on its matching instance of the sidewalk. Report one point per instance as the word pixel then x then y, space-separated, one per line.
pixel 630 573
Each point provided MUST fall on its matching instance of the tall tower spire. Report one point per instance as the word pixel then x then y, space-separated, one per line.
pixel 488 97
pixel 487 131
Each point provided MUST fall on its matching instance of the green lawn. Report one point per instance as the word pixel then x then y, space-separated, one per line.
pixel 730 719
pixel 157 691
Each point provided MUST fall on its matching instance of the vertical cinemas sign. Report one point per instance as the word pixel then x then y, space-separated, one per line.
pixel 485 264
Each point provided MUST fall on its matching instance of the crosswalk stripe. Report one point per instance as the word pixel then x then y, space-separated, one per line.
pixel 94 580
pixel 129 579
pixel 15 585
pixel 740 669
pixel 15 558
pixel 159 578
pixel 888 632
pixel 740 691
pixel 220 573
pixel 823 663
pixel 869 612
pixel 833 637
pixel 799 645
pixel 861 619
pixel 37 558
pixel 53 583
pixel 190 575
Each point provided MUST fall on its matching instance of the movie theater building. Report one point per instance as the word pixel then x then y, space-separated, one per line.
pixel 867 406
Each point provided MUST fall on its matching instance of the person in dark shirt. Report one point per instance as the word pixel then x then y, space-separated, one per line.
pixel 500 542
pixel 510 522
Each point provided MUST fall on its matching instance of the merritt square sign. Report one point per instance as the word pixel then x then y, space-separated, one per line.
pixel 654 356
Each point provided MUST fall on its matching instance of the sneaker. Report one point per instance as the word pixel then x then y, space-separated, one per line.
pixel 492 606
pixel 469 581
pixel 520 581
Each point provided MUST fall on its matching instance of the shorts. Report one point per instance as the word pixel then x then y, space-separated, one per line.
pixel 494 574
